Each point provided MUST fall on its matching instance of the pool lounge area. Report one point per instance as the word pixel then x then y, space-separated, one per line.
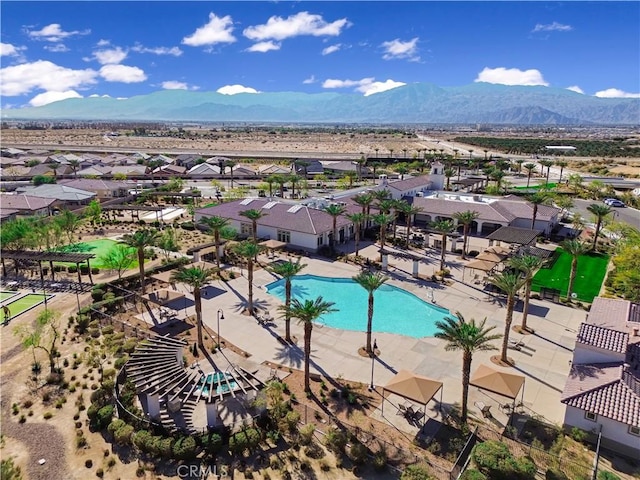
pixel 395 310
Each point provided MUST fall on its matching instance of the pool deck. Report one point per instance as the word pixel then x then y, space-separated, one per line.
pixel 544 360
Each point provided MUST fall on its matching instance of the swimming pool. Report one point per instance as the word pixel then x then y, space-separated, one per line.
pixel 394 311
pixel 217 380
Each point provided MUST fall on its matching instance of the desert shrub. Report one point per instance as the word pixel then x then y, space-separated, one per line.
pixel 9 470
pixel 104 416
pixel 123 435
pixel 358 453
pixel 291 420
pixel 120 361
pixel 415 472
pixel 212 443
pixel 140 439
pixel 100 473
pixel 306 433
pixel 495 460
pixel 335 440
pixel 88 463
pixel 554 474
pixel 184 448
pixel 578 434
pixel 97 294
pixel 604 475
pixel 380 461
pixel 47 415
pixel 473 474
pixel 115 425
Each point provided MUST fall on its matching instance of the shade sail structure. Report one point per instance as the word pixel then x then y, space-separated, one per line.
pixel 273 244
pixel 163 296
pixel 414 387
pixel 502 383
pixel 491 257
pixel 499 249
pixel 484 265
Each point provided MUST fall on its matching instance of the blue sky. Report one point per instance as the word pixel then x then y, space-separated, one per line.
pixel 56 50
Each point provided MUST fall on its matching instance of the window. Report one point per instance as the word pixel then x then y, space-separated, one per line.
pixel 320 240
pixel 591 416
pixel 284 236
pixel 634 430
pixel 246 229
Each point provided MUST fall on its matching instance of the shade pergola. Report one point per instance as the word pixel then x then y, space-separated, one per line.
pixel 273 245
pixel 505 384
pixel 413 387
pixel 491 257
pixel 163 296
pixel 483 265
pixel 498 249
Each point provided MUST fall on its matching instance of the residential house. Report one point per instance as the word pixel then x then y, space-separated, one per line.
pixel 300 226
pixel 188 160
pixel 204 170
pixel 64 195
pixel 46 170
pixel 273 170
pixel 307 167
pixel 104 189
pixel 95 171
pixel 26 205
pixel 162 160
pixel 602 391
pixel 129 170
pixel 169 170
pixel 12 152
pixel 340 167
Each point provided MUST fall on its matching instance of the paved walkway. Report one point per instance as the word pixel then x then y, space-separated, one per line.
pixel 544 360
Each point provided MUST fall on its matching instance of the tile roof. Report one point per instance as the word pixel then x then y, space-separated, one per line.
pixel 410 183
pixel 521 236
pixel 60 192
pixel 604 389
pixel 24 202
pixel 97 170
pixel 604 338
pixel 613 313
pixel 446 208
pixel 281 215
pixel 92 184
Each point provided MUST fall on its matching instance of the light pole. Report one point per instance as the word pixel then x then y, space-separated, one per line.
pixel 220 316
pixel 373 361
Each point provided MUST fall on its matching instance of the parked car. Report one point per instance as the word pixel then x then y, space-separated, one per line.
pixel 614 202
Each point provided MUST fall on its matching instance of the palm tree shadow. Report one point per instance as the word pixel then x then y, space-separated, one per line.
pixel 290 355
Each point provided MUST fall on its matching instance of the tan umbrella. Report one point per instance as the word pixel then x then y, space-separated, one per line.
pixel 412 386
pixel 492 257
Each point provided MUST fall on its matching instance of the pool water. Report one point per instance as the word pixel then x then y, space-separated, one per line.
pixel 219 382
pixel 394 310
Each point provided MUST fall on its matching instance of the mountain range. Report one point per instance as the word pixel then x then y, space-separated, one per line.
pixel 412 103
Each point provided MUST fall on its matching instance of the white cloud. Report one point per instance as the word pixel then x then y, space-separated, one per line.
pixel 95 95
pixel 103 43
pixel 616 93
pixel 218 30
pixel 57 48
pixel 8 50
pixel 175 85
pixel 331 49
pixel 54 33
pixel 50 97
pixel 263 47
pixel 45 75
pixel 335 83
pixel 303 23
pixel 110 56
pixel 174 51
pixel 398 49
pixel 233 89
pixel 378 87
pixel 552 27
pixel 122 73
pixel 576 89
pixel 310 80
pixel 511 76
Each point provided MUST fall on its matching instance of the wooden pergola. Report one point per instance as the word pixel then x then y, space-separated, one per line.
pixel 39 257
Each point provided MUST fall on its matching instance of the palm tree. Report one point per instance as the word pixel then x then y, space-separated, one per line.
pixel 470 338
pixel 287 270
pixel 575 248
pixel 381 195
pixel 249 250
pixel 529 167
pixel 215 224
pixel 357 219
pixel 196 278
pixel 364 200
pixel 600 211
pixel 409 212
pixel 140 240
pixel 307 312
pixel 335 211
pixel 448 172
pixel 54 168
pixel 548 164
pixel 74 164
pixel 231 164
pixel 528 265
pixel 562 164
pixel 537 199
pixel 465 219
pixel 509 283
pixel 370 282
pixel 444 227
pixel 270 180
pixel 383 219
pixel 253 215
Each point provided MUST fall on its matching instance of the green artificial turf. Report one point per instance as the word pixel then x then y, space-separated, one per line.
pixel 23 304
pixel 97 247
pixel 589 275
pixel 536 187
pixel 5 295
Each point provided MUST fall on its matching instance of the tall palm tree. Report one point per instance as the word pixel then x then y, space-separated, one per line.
pixel 253 215
pixel 537 199
pixel 370 282
pixel 364 200
pixel 469 337
pixel 196 278
pixel 465 219
pixel 409 212
pixel 509 283
pixel 600 211
pixel 248 250
pixel 140 240
pixel 287 270
pixel 546 164
pixel 74 163
pixel 530 168
pixel 528 265
pixel 382 219
pixel 381 195
pixel 231 164
pixel 575 248
pixel 562 164
pixel 54 168
pixel 357 219
pixel 335 211
pixel 443 227
pixel 307 312
pixel 448 173
pixel 215 224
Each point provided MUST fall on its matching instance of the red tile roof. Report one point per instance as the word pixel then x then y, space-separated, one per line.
pixel 604 338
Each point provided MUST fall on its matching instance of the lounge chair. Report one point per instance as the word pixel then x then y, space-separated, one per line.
pixel 484 409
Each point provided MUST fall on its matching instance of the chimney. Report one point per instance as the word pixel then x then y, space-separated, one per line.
pixel 383 180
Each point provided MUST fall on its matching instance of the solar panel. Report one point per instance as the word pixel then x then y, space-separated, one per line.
pixel 295 208
pixel 269 205
pixel 247 201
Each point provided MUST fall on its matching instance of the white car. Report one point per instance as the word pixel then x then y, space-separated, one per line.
pixel 613 202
